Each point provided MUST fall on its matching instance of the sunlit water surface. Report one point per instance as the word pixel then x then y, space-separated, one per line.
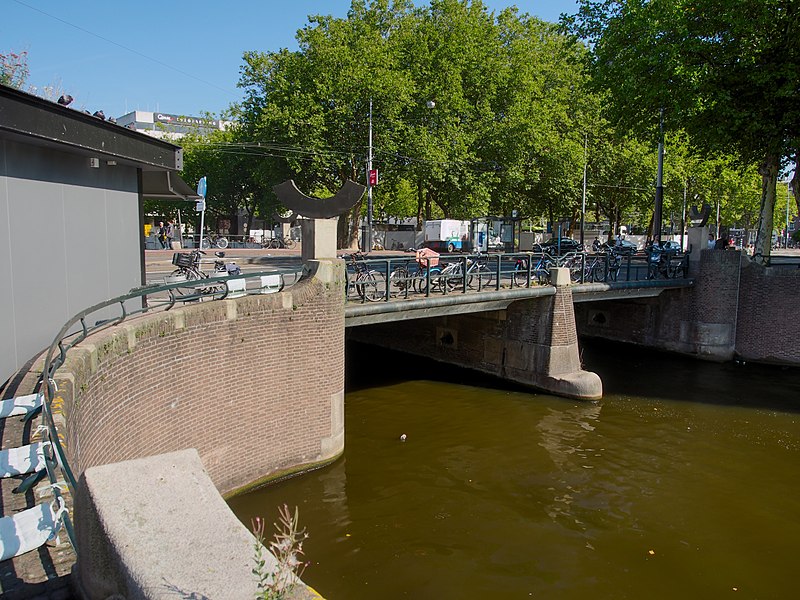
pixel 683 482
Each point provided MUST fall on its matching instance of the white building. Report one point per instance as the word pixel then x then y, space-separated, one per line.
pixel 167 125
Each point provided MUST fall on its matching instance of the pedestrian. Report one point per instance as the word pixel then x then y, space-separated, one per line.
pixel 170 233
pixel 162 235
pixel 711 242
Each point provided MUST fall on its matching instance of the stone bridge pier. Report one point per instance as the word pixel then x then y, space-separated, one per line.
pixel 532 342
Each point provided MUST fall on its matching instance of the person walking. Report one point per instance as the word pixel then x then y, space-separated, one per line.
pixel 170 233
pixel 162 235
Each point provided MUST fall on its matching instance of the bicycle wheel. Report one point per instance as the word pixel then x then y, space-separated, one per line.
pixel 289 243
pixel 399 280
pixel 205 244
pixel 451 278
pixel 370 286
pixel 188 275
pixel 481 277
pixel 520 274
pixel 597 272
pixel 274 243
pixel 423 279
pixel 222 243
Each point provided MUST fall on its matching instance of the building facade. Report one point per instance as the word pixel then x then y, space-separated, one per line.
pixel 167 125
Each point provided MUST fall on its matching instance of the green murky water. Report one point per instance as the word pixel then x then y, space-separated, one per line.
pixel 683 482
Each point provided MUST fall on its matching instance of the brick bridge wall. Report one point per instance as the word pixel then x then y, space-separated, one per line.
pixel 768 327
pixel 532 342
pixel 736 307
pixel 255 384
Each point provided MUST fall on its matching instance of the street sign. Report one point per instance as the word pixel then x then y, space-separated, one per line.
pixel 202 188
pixel 373 177
pixel 200 205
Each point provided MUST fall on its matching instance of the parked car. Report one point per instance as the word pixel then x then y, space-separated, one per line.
pixel 671 246
pixel 567 245
pixel 625 247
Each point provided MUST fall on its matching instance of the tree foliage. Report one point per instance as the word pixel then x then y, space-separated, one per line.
pixel 14 69
pixel 472 112
pixel 725 71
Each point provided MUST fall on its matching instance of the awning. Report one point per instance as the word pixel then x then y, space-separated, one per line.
pixel 166 184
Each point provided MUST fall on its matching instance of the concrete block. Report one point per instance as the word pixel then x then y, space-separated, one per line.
pixel 236 288
pixel 271 284
pixel 156 527
pixel 559 276
pixel 319 238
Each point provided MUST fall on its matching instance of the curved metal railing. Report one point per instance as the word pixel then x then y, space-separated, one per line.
pixel 75 330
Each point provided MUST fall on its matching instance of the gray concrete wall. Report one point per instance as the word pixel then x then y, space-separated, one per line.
pixel 69 238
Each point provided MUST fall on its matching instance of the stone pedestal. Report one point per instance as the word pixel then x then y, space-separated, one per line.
pixel 319 239
pixel 697 241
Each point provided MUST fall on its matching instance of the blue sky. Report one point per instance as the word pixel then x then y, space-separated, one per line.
pixel 179 56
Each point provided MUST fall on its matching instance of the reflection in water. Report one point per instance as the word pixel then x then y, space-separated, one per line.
pixel 564 433
pixel 679 487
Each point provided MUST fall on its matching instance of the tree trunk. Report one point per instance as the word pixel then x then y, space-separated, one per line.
pixel 769 180
pixel 347 228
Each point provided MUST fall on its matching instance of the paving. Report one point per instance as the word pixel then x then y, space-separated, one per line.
pixel 43 573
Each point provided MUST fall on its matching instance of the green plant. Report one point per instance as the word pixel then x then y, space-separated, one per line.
pixel 276 581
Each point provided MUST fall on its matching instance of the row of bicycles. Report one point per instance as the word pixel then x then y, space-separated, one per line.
pixel 422 276
pixel 374 280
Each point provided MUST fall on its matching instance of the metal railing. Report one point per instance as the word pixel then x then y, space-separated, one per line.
pixel 785 262
pixel 398 277
pixel 137 301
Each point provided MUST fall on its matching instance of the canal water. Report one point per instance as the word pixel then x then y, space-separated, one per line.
pixel 683 482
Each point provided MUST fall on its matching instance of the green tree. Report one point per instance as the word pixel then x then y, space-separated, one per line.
pixel 621 176
pixel 726 71
pixel 313 104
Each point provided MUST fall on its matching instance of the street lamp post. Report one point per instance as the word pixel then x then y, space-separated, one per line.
pixel 786 231
pixel 583 198
pixel 368 236
pixel 659 184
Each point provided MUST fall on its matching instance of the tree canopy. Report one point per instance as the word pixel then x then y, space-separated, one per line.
pixel 477 113
pixel 725 71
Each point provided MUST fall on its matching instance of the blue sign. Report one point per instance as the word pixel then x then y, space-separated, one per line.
pixel 202 187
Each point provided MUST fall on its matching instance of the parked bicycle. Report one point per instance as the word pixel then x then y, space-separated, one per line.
pixel 189 270
pixel 213 239
pixel 604 266
pixel 478 274
pixel 539 269
pixel 426 278
pixel 281 242
pixel 401 280
pixel 368 284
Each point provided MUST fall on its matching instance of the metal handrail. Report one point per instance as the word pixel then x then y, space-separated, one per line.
pixel 65 341
pixel 506 268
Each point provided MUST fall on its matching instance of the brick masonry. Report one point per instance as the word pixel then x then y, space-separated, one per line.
pixel 736 308
pixel 532 342
pixel 768 329
pixel 255 384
